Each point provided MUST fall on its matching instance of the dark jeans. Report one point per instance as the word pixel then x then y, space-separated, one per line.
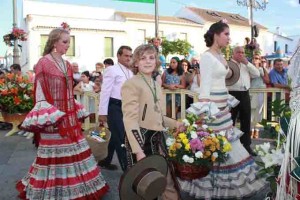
pixel 243 110
pixel 116 127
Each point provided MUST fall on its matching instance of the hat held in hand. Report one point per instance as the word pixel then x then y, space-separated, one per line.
pixel 234 73
pixel 146 180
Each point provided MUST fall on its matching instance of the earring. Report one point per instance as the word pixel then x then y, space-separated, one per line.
pixel 54 50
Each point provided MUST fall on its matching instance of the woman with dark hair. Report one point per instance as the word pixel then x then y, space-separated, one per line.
pixel 64 167
pixel 173 78
pixel 236 177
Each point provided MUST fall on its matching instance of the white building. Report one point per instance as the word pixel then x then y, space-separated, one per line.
pixel 97 33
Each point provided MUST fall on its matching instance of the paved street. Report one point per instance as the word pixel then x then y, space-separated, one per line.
pixel 16 155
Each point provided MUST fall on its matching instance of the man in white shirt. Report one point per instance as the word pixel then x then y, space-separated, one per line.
pixel 110 107
pixel 240 90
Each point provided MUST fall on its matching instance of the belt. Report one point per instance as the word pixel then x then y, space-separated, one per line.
pixel 114 101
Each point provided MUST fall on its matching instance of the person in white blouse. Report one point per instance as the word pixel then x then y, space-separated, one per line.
pixel 110 106
pixel 240 90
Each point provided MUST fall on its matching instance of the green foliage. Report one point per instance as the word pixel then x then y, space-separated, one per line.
pixel 178 46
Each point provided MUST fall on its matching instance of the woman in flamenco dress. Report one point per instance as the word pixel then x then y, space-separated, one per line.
pixel 64 167
pixel 236 177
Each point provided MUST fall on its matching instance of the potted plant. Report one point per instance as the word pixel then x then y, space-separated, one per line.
pixel 194 150
pixel 16 99
pixel 15 34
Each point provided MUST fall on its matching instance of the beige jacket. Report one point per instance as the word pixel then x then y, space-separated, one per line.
pixel 138 110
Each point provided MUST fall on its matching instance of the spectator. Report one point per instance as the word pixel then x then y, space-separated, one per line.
pixel 240 90
pixel 108 62
pixel 99 68
pixel 16 69
pixel 85 85
pixel 278 75
pixel 173 79
pixel 76 73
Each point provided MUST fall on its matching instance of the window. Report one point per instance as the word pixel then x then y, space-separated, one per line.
pixel 275 46
pixel 141 36
pixel 183 36
pixel 108 47
pixel 286 48
pixel 70 52
pixel 160 34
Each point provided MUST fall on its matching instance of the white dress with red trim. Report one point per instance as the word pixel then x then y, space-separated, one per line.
pixel 236 178
pixel 64 167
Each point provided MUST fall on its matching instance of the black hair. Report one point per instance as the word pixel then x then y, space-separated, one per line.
pixel 215 28
pixel 108 61
pixel 179 67
pixel 277 60
pixel 120 50
pixel 87 73
pixel 16 67
pixel 1 72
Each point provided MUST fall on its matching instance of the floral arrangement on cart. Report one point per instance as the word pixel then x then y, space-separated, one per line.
pixel 194 151
pixel 16 100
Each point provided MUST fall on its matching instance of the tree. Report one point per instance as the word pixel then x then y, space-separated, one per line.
pixel 178 46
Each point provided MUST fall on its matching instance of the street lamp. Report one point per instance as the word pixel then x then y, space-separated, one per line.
pixel 16 52
pixel 257 5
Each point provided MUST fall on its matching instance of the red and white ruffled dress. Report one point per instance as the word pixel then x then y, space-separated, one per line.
pixel 64 167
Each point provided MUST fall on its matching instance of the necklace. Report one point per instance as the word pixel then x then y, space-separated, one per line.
pixel 63 68
pixel 153 91
pixel 127 76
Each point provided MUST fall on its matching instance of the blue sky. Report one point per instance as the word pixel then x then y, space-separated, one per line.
pixel 279 13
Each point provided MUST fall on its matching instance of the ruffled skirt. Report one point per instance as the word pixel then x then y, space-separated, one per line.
pixel 234 179
pixel 63 170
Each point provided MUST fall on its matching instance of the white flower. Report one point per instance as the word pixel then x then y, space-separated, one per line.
pixel 213 135
pixel 191 160
pixel 26 97
pixel 185 158
pixel 199 154
pixel 22 85
pixel 267 160
pixel 215 154
pixel 204 126
pixel 170 141
pixel 194 134
pixel 186 122
pixel 195 125
pixel 265 147
pixel 222 133
pixel 277 156
pixel 260 153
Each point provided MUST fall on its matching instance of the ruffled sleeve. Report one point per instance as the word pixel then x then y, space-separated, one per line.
pixel 81 111
pixel 209 108
pixel 43 113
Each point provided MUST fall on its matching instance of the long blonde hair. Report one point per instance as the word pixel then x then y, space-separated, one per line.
pixel 54 36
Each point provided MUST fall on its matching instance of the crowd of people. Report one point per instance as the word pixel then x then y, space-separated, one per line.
pixel 131 105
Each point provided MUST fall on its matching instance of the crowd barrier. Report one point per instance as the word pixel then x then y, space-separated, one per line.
pixel 268 95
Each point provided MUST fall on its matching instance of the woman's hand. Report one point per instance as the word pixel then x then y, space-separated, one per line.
pixel 140 156
pixel 172 87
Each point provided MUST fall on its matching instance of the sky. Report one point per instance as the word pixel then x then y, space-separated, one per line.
pixel 279 13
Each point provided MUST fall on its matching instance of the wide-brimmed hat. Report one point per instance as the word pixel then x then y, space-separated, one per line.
pixel 145 180
pixel 234 74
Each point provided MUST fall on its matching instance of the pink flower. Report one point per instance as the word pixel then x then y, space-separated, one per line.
pixel 202 134
pixel 196 144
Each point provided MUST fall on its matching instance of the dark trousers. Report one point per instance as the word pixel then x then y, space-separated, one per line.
pixel 243 110
pixel 116 127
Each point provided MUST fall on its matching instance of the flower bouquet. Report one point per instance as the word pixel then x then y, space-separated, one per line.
pixel 196 149
pixel 15 34
pixel 16 94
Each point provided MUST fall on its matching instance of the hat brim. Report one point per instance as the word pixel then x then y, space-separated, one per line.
pixel 157 162
pixel 235 73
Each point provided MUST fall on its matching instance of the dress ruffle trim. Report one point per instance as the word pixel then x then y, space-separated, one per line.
pixel 43 114
pixel 81 111
pixel 210 108
pixel 245 184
